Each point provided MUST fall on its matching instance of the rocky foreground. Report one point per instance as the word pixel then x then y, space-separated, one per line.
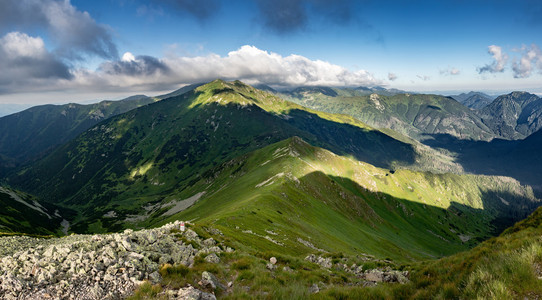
pixel 108 266
pixel 112 266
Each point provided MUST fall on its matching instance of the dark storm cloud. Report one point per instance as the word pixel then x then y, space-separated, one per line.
pixel 75 32
pixel 138 66
pixel 287 16
pixel 201 9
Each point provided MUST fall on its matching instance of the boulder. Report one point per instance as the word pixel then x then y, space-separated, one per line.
pixel 189 293
pixel 191 235
pixel 212 258
pixel 210 242
pixel 374 275
pixel 271 266
pixel 210 280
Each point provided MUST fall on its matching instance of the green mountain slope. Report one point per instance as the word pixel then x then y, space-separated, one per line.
pixel 293 198
pixel 146 154
pixel 514 116
pixel 519 159
pixel 22 213
pixel 180 91
pixel 29 134
pixel 415 115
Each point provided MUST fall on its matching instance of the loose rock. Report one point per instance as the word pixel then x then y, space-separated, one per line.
pixel 106 266
pixel 208 279
pixel 212 258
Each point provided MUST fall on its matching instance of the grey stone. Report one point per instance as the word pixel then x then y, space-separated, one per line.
pixel 313 289
pixel 212 258
pixel 214 231
pixel 191 235
pixel 323 262
pixel 374 276
pixel 208 279
pixel 210 242
pixel 189 293
pixel 207 296
pixel 108 266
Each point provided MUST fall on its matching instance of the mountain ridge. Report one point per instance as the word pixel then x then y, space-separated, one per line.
pixel 514 116
pixel 34 132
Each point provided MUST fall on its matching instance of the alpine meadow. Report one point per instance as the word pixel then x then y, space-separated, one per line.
pixel 264 149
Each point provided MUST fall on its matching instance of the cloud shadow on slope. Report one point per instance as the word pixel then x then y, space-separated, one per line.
pixel 519 159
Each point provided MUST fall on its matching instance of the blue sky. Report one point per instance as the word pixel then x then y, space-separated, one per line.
pixel 60 50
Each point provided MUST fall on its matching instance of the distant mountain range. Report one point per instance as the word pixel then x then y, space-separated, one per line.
pixel 515 115
pixel 474 100
pixel 483 141
pixel 34 132
pixel 415 115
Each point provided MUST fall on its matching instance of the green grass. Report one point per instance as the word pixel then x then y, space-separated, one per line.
pixel 36 218
pixel 413 115
pixel 156 153
pixel 504 267
pixel 30 134
pixel 341 205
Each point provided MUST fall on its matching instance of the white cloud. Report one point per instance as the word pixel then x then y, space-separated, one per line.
pixel 530 60
pixel 248 63
pixel 500 60
pixel 127 57
pixel 424 77
pixel 25 61
pixel 450 71
pixel 392 76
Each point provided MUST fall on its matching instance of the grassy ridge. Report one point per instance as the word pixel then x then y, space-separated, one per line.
pixel 504 267
pixel 291 191
pixel 149 154
pixel 32 133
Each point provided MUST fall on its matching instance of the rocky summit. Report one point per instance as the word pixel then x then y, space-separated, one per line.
pixel 106 266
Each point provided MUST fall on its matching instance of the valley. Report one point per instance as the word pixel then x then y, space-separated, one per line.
pixel 325 180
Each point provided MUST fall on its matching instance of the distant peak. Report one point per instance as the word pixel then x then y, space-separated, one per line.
pixel 519 96
pixel 237 92
pixel 520 93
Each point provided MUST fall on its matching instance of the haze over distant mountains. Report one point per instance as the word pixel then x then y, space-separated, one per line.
pixel 474 100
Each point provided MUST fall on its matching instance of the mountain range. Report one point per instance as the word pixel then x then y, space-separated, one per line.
pixel 474 100
pixel 514 116
pixel 382 174
pixel 34 132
